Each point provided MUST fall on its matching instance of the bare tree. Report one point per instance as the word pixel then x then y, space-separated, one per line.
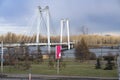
pixel 81 51
pixel 84 30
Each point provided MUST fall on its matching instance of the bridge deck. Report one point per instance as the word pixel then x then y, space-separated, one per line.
pixel 35 44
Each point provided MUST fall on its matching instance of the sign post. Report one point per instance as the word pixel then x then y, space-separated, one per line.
pixel 30 75
pixel 58 66
pixel 58 56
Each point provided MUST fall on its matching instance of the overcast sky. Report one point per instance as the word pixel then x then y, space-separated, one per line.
pixel 99 16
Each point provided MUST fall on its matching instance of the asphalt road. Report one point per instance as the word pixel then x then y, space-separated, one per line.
pixel 54 79
pixel 50 77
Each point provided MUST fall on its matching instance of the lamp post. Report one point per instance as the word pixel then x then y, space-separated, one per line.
pixel 2 57
pixel 101 47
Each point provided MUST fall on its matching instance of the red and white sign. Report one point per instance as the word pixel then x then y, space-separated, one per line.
pixel 58 52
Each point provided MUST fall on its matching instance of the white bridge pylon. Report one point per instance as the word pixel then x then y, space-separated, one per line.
pixel 65 23
pixel 45 11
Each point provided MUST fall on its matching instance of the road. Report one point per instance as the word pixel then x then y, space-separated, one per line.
pixel 51 77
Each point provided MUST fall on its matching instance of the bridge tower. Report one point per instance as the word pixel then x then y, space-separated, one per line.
pixel 65 23
pixel 47 15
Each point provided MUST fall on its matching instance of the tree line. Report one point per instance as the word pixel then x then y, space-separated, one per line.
pixel 97 40
pixel 89 39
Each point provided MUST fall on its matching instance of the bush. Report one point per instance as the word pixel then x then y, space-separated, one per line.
pixel 51 64
pixel 22 66
pixel 81 51
pixel 98 65
pixel 109 65
pixel 92 56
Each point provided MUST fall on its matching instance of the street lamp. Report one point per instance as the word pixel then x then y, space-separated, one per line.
pixel 2 57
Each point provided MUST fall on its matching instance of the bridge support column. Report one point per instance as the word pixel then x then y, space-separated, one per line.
pixel 65 23
pixel 46 10
pixel 68 34
pixel 48 28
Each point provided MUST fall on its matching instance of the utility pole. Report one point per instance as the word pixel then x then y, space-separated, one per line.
pixel 101 47
pixel 118 63
pixel 2 57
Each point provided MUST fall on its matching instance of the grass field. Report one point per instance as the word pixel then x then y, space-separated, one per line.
pixel 72 68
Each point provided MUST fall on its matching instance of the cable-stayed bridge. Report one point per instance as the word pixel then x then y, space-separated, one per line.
pixel 21 48
pixel 43 19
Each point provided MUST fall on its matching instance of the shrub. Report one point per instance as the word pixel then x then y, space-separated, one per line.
pixel 98 65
